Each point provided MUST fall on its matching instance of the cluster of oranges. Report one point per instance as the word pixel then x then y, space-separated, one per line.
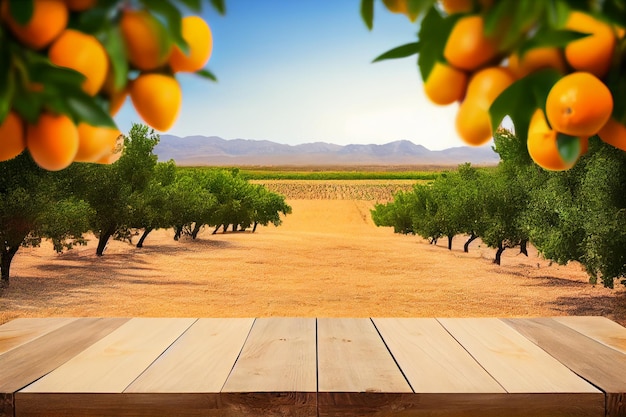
pixel 475 68
pixel 55 140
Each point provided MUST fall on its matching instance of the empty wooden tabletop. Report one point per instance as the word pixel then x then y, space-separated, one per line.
pixel 560 366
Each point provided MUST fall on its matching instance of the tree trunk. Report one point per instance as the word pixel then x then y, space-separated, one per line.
pixel 470 240
pixel 254 227
pixel 235 227
pixel 196 229
pixel 216 229
pixel 144 236
pixel 5 264
pixel 178 230
pixel 450 237
pixel 523 247
pixel 501 249
pixel 102 241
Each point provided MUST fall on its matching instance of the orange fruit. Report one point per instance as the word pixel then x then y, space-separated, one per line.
pixel 147 46
pixel 47 22
pixel 157 98
pixel 468 47
pixel 473 123
pixel 53 141
pixel 542 144
pixel 198 36
pixel 12 140
pixel 401 7
pixel 536 59
pixel 83 53
pixel 462 6
pixel 579 104
pixel 95 142
pixel 614 133
pixel 80 5
pixel 592 53
pixel 445 84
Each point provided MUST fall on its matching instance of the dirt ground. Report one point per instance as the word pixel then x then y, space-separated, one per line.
pixel 326 260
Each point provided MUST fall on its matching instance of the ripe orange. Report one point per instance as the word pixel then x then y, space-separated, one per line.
pixel 48 20
pixel 95 142
pixel 147 45
pixel 579 104
pixel 473 123
pixel 536 59
pixel 542 144
pixel 53 141
pixel 468 47
pixel 198 36
pixel 592 53
pixel 157 98
pixel 12 141
pixel 445 84
pixel 83 53
pixel 80 5
pixel 614 133
pixel 399 6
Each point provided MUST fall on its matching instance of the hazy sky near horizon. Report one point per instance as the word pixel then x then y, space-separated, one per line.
pixel 300 71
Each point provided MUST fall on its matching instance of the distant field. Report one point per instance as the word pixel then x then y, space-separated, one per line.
pixel 323 173
pixel 363 189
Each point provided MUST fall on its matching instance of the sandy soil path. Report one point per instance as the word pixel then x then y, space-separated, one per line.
pixel 327 260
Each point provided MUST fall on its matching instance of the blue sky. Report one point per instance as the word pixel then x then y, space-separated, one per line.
pixel 300 71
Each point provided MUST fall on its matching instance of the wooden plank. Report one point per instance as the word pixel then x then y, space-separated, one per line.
pixel 278 356
pixel 30 361
pixel 603 366
pixel 115 361
pixel 353 358
pixel 199 361
pixel 598 328
pixel 516 363
pixel 460 405
pixel 20 331
pixel 357 374
pixel 276 372
pixel 431 359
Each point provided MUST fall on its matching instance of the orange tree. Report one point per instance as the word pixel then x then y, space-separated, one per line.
pixel 67 66
pixel 557 68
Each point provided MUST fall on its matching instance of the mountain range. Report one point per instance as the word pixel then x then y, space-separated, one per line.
pixel 215 151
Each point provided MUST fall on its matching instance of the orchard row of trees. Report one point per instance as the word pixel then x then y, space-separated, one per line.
pixel 575 215
pixel 136 193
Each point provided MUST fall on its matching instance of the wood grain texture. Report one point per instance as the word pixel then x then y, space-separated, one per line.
pixel 431 359
pixel 165 405
pixel 278 356
pixel 598 328
pixel 199 361
pixel 20 331
pixel 516 363
pixel 115 361
pixel 32 360
pixel 460 405
pixel 597 363
pixel 353 358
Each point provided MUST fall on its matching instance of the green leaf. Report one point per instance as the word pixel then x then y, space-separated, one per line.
pixel 173 19
pixel 569 147
pixel 417 8
pixel 28 106
pixel 204 73
pixel 367 13
pixel 84 108
pixel 402 51
pixel 7 82
pixel 22 10
pixel 93 20
pixel 551 38
pixel 433 35
pixel 557 12
pixel 219 5
pixel 54 75
pixel 114 45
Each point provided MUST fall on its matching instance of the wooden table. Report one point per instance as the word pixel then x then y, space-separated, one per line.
pixel 561 366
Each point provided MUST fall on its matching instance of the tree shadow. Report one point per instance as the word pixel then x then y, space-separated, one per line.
pixel 610 306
